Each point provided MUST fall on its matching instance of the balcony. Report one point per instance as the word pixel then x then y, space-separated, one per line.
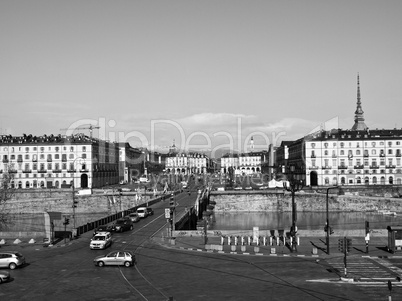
pixel 397 154
pixel 313 167
pixel 390 166
pixel 42 171
pixel 326 167
pixel 56 171
pixel 382 155
pixel 374 167
pixel 342 167
pixel 49 160
pixel 12 171
pixel 27 171
pixel 63 159
pixel 5 160
pixel 19 160
pixel 84 170
pixel 313 156
pixel 71 170
pixel 334 156
pixel 359 166
pixel 366 155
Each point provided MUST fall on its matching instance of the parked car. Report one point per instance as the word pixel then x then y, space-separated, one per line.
pixel 142 212
pixel 11 259
pixel 4 276
pixel 150 211
pixel 134 217
pixel 125 258
pixel 101 241
pixel 103 228
pixel 122 224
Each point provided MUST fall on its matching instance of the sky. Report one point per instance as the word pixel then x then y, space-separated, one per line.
pixel 206 75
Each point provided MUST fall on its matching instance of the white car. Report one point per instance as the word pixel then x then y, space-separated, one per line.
pixel 101 240
pixel 142 212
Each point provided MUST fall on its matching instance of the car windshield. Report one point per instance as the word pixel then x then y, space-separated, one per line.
pixel 99 238
pixel 119 222
pixel 133 214
pixel 18 254
pixel 140 211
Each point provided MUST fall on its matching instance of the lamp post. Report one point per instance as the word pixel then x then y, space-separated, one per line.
pixel 328 228
pixel 294 185
pixel 73 189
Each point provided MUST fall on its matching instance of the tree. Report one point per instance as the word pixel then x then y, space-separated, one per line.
pixel 6 194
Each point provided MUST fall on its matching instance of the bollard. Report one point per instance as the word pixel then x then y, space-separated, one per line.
pixel 298 240
pixel 291 241
pixel 264 240
pixel 229 240
pixel 249 240
pixel 242 240
pixel 277 241
pixel 222 240
pixel 235 240
pixel 270 241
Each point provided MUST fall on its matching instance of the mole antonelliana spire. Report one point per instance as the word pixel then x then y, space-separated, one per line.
pixel 359 117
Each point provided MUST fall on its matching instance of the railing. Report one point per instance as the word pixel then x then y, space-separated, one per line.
pixel 359 166
pixel 342 167
pixel 27 171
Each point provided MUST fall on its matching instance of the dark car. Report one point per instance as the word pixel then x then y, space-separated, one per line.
pixel 103 228
pixel 122 224
pixel 150 211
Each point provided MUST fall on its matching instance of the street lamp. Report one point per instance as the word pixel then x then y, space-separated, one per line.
pixel 74 201
pixel 294 185
pixel 327 227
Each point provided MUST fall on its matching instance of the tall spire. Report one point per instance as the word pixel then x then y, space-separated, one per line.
pixel 359 114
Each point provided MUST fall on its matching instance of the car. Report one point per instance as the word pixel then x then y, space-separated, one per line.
pixel 4 276
pixel 134 217
pixel 101 241
pixel 122 224
pixel 11 259
pixel 102 228
pixel 150 211
pixel 120 257
pixel 142 212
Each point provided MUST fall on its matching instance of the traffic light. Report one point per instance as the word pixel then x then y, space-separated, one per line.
pixel 367 227
pixel 348 243
pixel 66 221
pixel 325 228
pixel 341 246
pixel 75 204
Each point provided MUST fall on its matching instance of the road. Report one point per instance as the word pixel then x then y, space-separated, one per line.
pixel 68 273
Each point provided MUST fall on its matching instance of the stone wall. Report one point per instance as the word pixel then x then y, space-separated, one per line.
pixel 59 202
pixel 255 201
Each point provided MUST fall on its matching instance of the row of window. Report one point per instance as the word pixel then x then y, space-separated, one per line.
pixel 358 162
pixel 42 148
pixel 359 153
pixel 373 144
pixel 48 157
pixel 359 180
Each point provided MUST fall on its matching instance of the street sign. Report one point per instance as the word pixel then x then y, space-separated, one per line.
pixel 167 212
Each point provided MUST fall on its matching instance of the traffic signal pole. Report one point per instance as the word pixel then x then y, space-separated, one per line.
pixel 327 224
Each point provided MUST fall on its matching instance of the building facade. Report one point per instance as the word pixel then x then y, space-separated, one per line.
pixel 59 161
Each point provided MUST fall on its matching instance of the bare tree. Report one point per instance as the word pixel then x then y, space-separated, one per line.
pixel 6 194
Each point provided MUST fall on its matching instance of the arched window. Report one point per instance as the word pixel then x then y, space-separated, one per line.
pixel 382 180
pixel 343 181
pixel 391 180
pixel 358 180
pixel 27 184
pixel 366 180
pixel 327 181
pixel 374 180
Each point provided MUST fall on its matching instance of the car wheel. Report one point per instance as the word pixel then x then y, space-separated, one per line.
pixel 127 264
pixel 12 266
pixel 101 264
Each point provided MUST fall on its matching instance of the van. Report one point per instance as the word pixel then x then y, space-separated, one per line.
pixel 142 212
